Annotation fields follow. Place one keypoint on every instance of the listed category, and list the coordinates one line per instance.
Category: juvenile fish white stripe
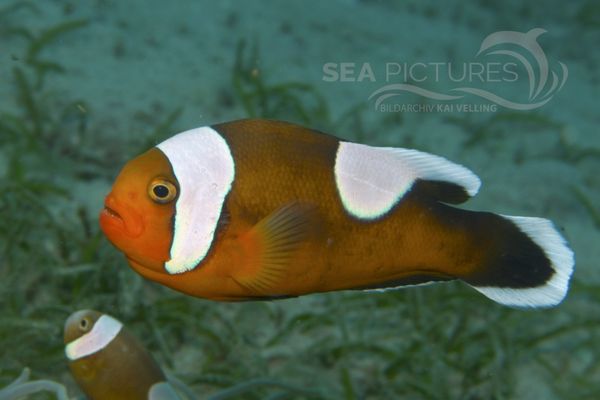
(371, 180)
(162, 391)
(204, 167)
(104, 331)
(562, 260)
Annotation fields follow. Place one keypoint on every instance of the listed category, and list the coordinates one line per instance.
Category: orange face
(139, 211)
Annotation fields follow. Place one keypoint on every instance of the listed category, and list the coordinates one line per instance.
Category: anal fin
(418, 279)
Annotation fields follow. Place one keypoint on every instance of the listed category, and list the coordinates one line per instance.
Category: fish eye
(84, 324)
(162, 191)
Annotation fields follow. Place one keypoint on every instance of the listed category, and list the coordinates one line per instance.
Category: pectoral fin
(270, 245)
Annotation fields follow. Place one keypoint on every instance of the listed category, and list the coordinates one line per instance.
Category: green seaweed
(16, 6)
(572, 152)
(349, 391)
(589, 14)
(244, 388)
(37, 43)
(483, 130)
(50, 35)
(589, 205)
(7, 29)
(44, 39)
(29, 103)
(293, 100)
(298, 102)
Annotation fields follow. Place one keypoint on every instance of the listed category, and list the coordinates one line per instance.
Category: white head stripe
(204, 167)
(162, 391)
(371, 180)
(104, 331)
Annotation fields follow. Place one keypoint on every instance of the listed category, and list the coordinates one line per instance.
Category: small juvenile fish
(265, 209)
(109, 363)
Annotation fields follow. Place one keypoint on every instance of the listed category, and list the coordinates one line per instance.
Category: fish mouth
(111, 213)
(110, 218)
(117, 218)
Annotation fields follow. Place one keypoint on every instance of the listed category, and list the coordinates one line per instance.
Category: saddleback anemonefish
(109, 363)
(260, 209)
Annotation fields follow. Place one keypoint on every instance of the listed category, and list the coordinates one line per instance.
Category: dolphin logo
(541, 90)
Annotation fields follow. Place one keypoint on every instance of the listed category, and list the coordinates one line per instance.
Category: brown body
(279, 164)
(123, 370)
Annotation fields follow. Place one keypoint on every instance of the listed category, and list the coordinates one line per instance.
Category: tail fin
(531, 266)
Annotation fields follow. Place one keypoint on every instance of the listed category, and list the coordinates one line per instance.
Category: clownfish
(109, 363)
(262, 209)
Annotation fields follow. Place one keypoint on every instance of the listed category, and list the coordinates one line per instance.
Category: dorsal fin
(371, 180)
(446, 192)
